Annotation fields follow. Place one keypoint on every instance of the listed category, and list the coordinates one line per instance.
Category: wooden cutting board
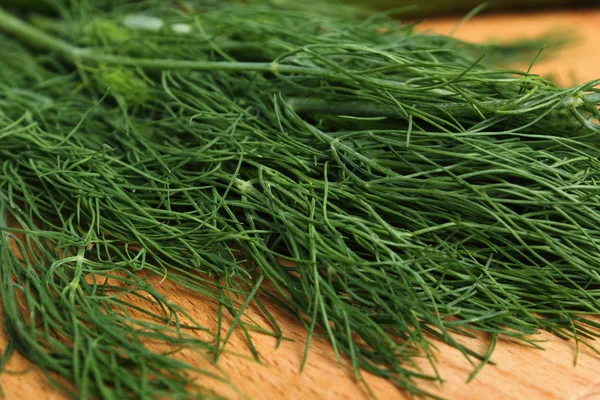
(520, 372)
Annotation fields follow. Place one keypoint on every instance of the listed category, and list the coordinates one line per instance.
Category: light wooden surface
(520, 373)
(576, 63)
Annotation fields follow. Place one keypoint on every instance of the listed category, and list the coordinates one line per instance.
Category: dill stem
(39, 39)
(35, 37)
(371, 109)
(43, 41)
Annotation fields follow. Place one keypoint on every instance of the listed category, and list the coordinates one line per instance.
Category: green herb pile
(386, 187)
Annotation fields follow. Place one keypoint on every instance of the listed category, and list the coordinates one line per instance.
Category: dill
(386, 187)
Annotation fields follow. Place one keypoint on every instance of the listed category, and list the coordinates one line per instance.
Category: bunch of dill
(386, 187)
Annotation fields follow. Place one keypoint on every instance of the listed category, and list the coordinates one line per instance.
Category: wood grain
(520, 372)
(575, 63)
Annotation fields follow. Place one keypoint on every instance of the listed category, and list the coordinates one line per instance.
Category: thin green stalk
(375, 110)
(41, 40)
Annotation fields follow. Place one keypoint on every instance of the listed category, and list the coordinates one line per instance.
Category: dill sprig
(386, 187)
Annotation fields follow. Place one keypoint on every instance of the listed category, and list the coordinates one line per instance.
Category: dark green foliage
(418, 192)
